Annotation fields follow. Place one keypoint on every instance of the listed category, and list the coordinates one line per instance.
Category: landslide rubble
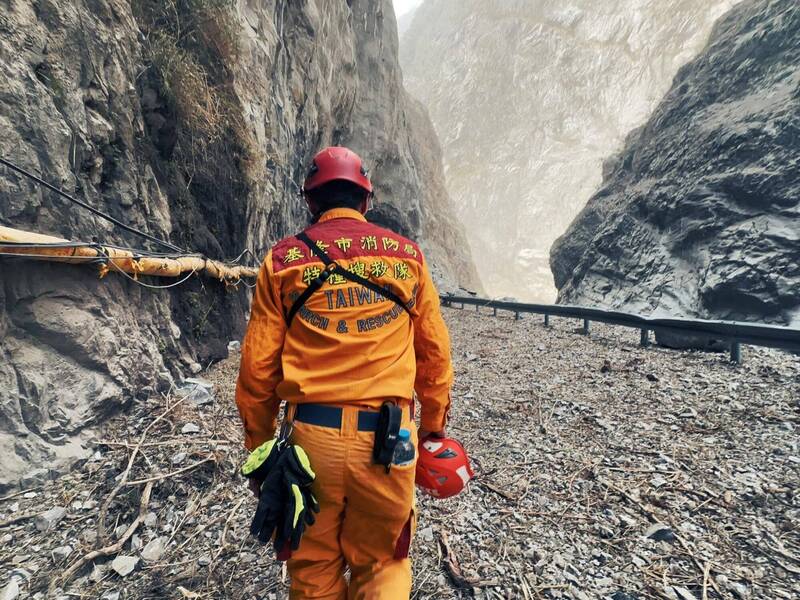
(699, 215)
(603, 470)
(194, 121)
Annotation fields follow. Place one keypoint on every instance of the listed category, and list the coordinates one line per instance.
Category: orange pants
(365, 522)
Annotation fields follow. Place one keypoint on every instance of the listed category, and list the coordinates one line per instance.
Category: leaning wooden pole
(45, 247)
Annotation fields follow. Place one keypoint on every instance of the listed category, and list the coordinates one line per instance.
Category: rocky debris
(234, 346)
(49, 519)
(87, 106)
(574, 470)
(190, 428)
(10, 591)
(197, 390)
(154, 549)
(150, 520)
(61, 552)
(98, 573)
(658, 531)
(528, 99)
(124, 565)
(699, 213)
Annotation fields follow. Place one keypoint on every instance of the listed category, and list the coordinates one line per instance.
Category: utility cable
(155, 287)
(97, 212)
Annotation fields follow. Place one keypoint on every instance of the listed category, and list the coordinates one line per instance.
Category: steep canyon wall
(699, 215)
(194, 121)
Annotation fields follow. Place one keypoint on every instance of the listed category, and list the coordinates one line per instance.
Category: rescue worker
(336, 357)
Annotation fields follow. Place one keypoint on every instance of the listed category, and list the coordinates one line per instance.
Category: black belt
(331, 416)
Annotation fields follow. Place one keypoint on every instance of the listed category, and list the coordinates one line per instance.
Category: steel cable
(93, 210)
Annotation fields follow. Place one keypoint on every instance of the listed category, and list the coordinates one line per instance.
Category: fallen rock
(680, 593)
(660, 533)
(49, 519)
(98, 572)
(234, 346)
(195, 368)
(124, 565)
(426, 534)
(61, 552)
(11, 591)
(197, 390)
(190, 428)
(154, 549)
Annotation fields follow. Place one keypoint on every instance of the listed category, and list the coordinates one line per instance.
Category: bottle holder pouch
(386, 434)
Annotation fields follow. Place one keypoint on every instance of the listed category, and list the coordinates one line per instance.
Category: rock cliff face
(528, 97)
(700, 213)
(193, 121)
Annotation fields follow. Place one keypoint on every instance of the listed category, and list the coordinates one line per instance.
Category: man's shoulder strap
(332, 267)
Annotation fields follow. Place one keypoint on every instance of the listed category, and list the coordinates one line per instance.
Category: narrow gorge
(529, 98)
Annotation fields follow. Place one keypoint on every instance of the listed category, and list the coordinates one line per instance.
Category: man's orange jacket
(348, 344)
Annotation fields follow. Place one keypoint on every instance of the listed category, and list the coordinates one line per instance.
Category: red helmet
(442, 467)
(335, 163)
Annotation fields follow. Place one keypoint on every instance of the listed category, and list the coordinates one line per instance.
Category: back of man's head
(337, 194)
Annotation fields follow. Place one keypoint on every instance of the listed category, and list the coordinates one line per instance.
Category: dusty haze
(528, 99)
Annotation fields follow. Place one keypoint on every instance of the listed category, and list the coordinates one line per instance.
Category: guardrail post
(546, 320)
(645, 339)
(736, 353)
(586, 327)
(477, 307)
(516, 316)
(495, 311)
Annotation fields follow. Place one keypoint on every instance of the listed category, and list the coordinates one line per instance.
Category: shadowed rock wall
(195, 127)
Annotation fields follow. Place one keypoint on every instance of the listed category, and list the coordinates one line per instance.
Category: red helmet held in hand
(442, 467)
(337, 163)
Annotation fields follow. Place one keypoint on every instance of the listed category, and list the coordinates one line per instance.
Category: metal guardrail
(733, 333)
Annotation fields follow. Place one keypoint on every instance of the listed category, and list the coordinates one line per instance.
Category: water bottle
(404, 451)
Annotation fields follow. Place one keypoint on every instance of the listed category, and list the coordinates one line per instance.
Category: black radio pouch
(386, 434)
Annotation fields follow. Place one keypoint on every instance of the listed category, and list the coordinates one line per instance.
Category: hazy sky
(401, 7)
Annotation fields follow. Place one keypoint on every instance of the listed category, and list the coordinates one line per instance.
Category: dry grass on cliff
(603, 471)
(192, 50)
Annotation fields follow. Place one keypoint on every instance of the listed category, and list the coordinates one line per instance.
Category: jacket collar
(341, 213)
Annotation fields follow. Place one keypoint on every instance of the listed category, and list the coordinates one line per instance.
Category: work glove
(300, 501)
(260, 463)
(271, 503)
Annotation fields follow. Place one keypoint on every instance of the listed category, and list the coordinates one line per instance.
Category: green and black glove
(271, 504)
(261, 461)
(300, 501)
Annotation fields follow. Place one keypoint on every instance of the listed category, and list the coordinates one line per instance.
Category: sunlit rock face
(699, 215)
(528, 97)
